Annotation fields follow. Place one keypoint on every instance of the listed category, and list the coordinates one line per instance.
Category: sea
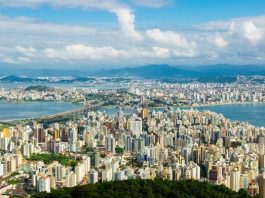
(22, 110)
(253, 113)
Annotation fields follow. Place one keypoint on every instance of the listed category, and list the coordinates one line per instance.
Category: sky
(115, 33)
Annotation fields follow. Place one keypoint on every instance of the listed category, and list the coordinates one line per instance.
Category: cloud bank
(27, 40)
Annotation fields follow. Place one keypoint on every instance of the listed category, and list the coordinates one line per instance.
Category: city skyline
(72, 34)
(132, 98)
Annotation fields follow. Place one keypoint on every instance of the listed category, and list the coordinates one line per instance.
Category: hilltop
(146, 188)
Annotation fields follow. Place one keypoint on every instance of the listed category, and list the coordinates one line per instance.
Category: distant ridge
(11, 79)
(149, 72)
(170, 72)
(167, 73)
(17, 79)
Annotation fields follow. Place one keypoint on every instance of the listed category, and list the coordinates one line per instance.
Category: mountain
(149, 72)
(38, 88)
(17, 79)
(230, 70)
(165, 73)
(202, 73)
(9, 79)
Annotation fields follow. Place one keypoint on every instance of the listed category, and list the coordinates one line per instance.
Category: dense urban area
(167, 143)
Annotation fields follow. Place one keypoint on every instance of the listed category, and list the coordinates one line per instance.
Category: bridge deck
(58, 115)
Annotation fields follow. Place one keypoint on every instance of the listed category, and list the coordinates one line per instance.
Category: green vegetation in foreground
(146, 188)
(48, 158)
(13, 181)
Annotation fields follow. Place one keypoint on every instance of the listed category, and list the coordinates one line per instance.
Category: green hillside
(146, 189)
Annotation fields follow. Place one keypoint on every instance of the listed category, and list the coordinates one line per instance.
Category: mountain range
(214, 73)
(171, 72)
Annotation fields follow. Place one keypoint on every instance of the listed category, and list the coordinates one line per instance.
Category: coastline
(131, 107)
(190, 106)
(221, 104)
(36, 101)
(34, 109)
(256, 123)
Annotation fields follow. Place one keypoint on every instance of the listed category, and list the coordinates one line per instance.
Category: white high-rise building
(107, 174)
(73, 140)
(1, 169)
(119, 175)
(43, 184)
(92, 177)
(235, 180)
(135, 125)
(70, 179)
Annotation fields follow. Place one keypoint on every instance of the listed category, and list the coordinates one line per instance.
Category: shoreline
(220, 104)
(113, 106)
(191, 106)
(40, 101)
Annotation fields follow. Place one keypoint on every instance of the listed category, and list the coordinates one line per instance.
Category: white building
(92, 177)
(43, 184)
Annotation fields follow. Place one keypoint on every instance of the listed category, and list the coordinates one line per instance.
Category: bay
(253, 113)
(22, 110)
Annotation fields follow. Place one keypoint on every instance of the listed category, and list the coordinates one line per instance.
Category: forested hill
(146, 189)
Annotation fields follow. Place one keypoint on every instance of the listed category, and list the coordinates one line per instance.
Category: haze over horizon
(66, 34)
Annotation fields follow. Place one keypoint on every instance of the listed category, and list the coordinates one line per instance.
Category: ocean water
(22, 110)
(252, 113)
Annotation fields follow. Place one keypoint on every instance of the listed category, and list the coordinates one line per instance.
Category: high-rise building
(128, 143)
(43, 184)
(65, 134)
(73, 140)
(110, 143)
(95, 159)
(144, 112)
(39, 134)
(135, 125)
(235, 180)
(56, 134)
(92, 177)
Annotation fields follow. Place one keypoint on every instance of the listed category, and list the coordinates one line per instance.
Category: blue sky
(110, 33)
(179, 12)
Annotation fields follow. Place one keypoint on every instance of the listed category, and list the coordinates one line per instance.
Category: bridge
(66, 114)
(58, 117)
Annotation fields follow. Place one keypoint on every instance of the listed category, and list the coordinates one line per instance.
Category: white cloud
(160, 52)
(251, 29)
(84, 52)
(27, 51)
(26, 40)
(167, 38)
(23, 59)
(8, 60)
(23, 24)
(219, 41)
(151, 3)
(126, 21)
(248, 30)
(184, 54)
(124, 14)
(80, 51)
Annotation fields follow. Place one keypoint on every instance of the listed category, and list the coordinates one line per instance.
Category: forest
(146, 189)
